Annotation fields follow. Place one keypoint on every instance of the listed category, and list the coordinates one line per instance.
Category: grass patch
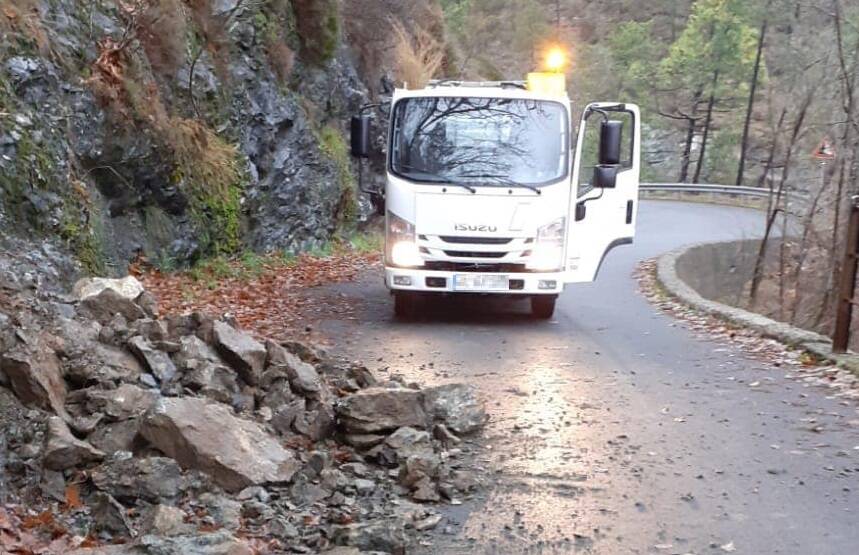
(367, 242)
(333, 146)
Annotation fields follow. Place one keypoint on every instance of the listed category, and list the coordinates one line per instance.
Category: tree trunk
(690, 138)
(744, 142)
(708, 120)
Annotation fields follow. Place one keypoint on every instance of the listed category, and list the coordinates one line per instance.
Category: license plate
(479, 282)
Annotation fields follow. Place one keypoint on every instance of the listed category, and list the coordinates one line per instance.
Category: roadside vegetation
(761, 93)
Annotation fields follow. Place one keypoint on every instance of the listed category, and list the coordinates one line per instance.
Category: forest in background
(209, 128)
(760, 93)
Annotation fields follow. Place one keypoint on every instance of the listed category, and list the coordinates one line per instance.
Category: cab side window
(591, 147)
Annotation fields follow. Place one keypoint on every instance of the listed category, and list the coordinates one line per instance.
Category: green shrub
(333, 145)
(317, 23)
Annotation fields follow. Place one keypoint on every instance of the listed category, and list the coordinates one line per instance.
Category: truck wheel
(405, 305)
(543, 306)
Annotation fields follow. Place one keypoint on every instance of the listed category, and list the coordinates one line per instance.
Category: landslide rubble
(122, 431)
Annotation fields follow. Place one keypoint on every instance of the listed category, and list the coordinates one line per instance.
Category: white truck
(489, 191)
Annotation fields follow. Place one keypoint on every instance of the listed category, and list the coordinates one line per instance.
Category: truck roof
(486, 89)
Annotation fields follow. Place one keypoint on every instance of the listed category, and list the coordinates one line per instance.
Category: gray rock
(124, 402)
(418, 467)
(286, 415)
(109, 515)
(282, 528)
(103, 306)
(387, 535)
(63, 450)
(225, 512)
(158, 362)
(152, 330)
(407, 442)
(116, 436)
(35, 376)
(235, 452)
(101, 364)
(456, 406)
(379, 409)
(317, 422)
(240, 350)
(128, 287)
(303, 377)
(215, 543)
(363, 441)
(304, 493)
(149, 479)
(212, 380)
(304, 351)
(192, 350)
(165, 520)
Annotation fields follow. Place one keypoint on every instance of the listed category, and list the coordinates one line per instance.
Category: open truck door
(604, 199)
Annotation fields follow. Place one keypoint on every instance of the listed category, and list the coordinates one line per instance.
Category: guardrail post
(847, 285)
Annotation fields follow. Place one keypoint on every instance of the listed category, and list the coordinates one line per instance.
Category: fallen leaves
(801, 366)
(24, 533)
(269, 296)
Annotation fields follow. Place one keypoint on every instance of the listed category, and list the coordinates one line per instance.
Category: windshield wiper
(502, 179)
(441, 179)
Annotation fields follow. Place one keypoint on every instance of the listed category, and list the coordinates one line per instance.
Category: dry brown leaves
(271, 300)
(799, 365)
(27, 533)
(712, 328)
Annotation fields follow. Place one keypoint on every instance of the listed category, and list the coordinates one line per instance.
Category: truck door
(602, 218)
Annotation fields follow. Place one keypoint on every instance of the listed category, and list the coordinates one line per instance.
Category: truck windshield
(479, 141)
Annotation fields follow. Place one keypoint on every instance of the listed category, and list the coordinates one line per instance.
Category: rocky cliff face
(175, 129)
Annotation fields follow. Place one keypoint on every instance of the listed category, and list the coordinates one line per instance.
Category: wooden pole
(846, 289)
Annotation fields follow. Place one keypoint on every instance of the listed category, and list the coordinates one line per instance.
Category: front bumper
(434, 281)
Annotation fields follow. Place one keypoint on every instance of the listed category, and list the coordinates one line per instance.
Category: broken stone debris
(184, 425)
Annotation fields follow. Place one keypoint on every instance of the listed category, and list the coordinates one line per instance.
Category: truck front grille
(445, 266)
(475, 254)
(475, 240)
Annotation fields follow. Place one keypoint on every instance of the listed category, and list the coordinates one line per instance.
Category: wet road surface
(616, 430)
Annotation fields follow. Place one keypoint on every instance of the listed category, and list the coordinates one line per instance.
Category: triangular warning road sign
(824, 151)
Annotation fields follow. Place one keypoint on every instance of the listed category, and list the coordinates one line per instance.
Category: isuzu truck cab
(490, 190)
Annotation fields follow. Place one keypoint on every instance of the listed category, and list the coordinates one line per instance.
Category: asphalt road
(616, 430)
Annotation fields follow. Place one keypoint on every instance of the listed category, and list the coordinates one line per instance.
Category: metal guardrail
(706, 188)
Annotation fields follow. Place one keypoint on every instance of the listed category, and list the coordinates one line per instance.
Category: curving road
(615, 430)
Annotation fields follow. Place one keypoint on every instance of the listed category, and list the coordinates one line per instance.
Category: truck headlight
(401, 249)
(547, 254)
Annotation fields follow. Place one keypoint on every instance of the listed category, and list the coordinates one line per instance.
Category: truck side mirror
(611, 133)
(360, 135)
(605, 176)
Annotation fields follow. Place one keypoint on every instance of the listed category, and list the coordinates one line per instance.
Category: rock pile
(184, 434)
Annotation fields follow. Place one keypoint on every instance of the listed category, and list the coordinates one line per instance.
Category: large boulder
(240, 350)
(108, 303)
(236, 453)
(128, 287)
(379, 409)
(63, 450)
(456, 406)
(35, 376)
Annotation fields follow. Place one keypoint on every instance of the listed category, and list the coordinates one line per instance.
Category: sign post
(847, 285)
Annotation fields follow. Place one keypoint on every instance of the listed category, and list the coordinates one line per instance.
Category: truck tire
(405, 305)
(543, 306)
